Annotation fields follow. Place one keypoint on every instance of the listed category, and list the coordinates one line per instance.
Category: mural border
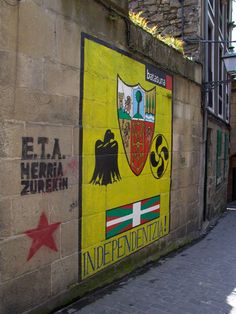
(81, 87)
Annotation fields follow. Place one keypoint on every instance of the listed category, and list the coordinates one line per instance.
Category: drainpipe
(205, 105)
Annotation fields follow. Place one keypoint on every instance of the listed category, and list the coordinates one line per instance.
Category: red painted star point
(42, 235)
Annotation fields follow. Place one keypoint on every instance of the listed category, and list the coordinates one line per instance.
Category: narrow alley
(199, 279)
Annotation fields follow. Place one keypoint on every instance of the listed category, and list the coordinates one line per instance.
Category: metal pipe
(192, 40)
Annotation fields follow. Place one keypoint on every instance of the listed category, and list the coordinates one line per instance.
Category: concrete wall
(40, 57)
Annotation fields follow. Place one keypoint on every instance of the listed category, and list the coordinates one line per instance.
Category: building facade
(205, 28)
(102, 149)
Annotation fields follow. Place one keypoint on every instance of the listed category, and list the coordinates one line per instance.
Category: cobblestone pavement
(200, 279)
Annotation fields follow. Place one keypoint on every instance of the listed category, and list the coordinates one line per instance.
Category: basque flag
(121, 219)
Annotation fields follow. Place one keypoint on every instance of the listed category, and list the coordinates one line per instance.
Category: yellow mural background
(101, 67)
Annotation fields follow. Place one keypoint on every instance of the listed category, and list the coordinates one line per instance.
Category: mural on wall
(42, 236)
(42, 173)
(136, 113)
(126, 114)
(106, 160)
(159, 156)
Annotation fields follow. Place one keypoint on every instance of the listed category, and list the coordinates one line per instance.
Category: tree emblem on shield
(136, 115)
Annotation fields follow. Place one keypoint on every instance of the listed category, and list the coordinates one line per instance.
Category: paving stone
(200, 279)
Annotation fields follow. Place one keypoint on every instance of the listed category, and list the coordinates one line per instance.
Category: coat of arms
(136, 114)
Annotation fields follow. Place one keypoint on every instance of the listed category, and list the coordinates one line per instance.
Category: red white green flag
(123, 218)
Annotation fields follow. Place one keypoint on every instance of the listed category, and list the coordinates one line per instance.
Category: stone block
(195, 159)
(176, 199)
(10, 139)
(188, 112)
(36, 30)
(38, 2)
(63, 205)
(192, 210)
(184, 159)
(179, 233)
(193, 225)
(64, 7)
(30, 72)
(186, 177)
(181, 89)
(8, 26)
(25, 292)
(69, 238)
(195, 95)
(157, 17)
(26, 211)
(61, 80)
(177, 218)
(188, 142)
(5, 218)
(178, 110)
(179, 125)
(175, 160)
(36, 106)
(10, 177)
(198, 74)
(63, 133)
(174, 3)
(7, 68)
(123, 5)
(6, 101)
(64, 273)
(15, 252)
(109, 27)
(175, 179)
(195, 175)
(76, 136)
(176, 142)
(71, 170)
(197, 115)
(191, 2)
(68, 42)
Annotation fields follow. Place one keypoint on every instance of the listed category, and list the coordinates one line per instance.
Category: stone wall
(41, 87)
(168, 17)
(216, 184)
(39, 95)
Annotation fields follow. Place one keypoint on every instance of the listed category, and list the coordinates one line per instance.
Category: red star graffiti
(42, 235)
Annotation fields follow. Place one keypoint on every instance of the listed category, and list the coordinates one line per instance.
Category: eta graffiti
(43, 173)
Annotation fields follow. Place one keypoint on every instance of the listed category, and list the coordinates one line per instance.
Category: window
(219, 157)
(221, 19)
(221, 86)
(211, 76)
(228, 17)
(211, 4)
(226, 152)
(222, 154)
(227, 104)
